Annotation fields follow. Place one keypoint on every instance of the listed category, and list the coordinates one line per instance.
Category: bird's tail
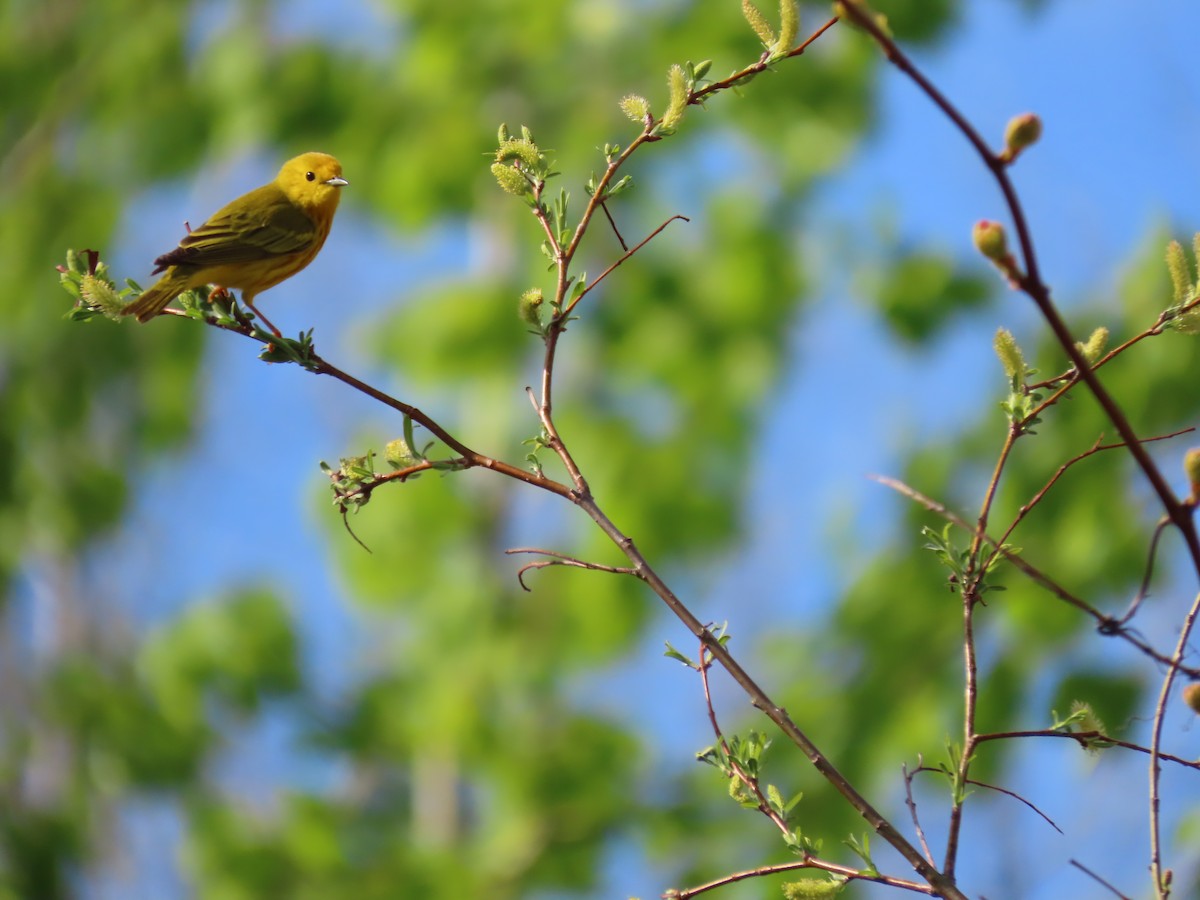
(157, 296)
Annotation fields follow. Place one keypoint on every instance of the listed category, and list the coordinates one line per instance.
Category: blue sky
(1119, 91)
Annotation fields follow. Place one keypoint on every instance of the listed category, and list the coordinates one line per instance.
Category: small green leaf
(672, 653)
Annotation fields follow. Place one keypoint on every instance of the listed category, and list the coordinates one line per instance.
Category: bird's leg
(250, 303)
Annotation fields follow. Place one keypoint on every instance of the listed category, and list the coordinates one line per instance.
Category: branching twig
(624, 256)
(1106, 625)
(763, 871)
(912, 805)
(1097, 447)
(1071, 376)
(1144, 587)
(561, 559)
(745, 778)
(1030, 281)
(1084, 739)
(1015, 796)
(762, 65)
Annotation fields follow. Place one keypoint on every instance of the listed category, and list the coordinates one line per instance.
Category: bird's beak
(337, 181)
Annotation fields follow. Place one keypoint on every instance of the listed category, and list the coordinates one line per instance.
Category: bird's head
(312, 180)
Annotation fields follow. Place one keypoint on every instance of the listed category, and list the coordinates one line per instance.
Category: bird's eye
(310, 176)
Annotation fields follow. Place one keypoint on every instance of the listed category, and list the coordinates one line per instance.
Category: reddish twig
(628, 253)
(1084, 739)
(561, 559)
(763, 871)
(1095, 448)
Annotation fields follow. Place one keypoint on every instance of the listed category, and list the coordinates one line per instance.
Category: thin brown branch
(562, 559)
(970, 695)
(1085, 739)
(1015, 796)
(473, 458)
(468, 458)
(1086, 871)
(976, 571)
(628, 253)
(945, 772)
(1095, 448)
(612, 224)
(820, 865)
(1160, 874)
(762, 65)
(743, 776)
(1071, 376)
(1144, 587)
(912, 805)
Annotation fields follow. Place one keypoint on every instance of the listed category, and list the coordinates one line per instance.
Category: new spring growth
(1181, 272)
(813, 889)
(992, 242)
(677, 83)
(1093, 348)
(519, 163)
(399, 454)
(1191, 696)
(1022, 131)
(636, 108)
(1191, 468)
(1010, 355)
(98, 293)
(531, 308)
(777, 46)
(1183, 287)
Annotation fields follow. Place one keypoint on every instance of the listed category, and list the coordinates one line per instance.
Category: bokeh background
(210, 689)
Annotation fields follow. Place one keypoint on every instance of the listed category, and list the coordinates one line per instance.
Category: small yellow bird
(255, 242)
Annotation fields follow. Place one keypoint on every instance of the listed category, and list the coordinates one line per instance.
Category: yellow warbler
(256, 241)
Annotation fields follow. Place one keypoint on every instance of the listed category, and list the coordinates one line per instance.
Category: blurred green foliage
(470, 766)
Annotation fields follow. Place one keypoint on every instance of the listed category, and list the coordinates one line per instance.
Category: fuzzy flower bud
(1009, 354)
(1095, 345)
(531, 307)
(399, 455)
(1181, 272)
(789, 28)
(99, 294)
(635, 107)
(511, 179)
(522, 149)
(758, 22)
(677, 83)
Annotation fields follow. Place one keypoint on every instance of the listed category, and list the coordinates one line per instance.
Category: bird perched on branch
(255, 242)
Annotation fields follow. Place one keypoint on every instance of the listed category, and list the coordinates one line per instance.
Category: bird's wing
(249, 229)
